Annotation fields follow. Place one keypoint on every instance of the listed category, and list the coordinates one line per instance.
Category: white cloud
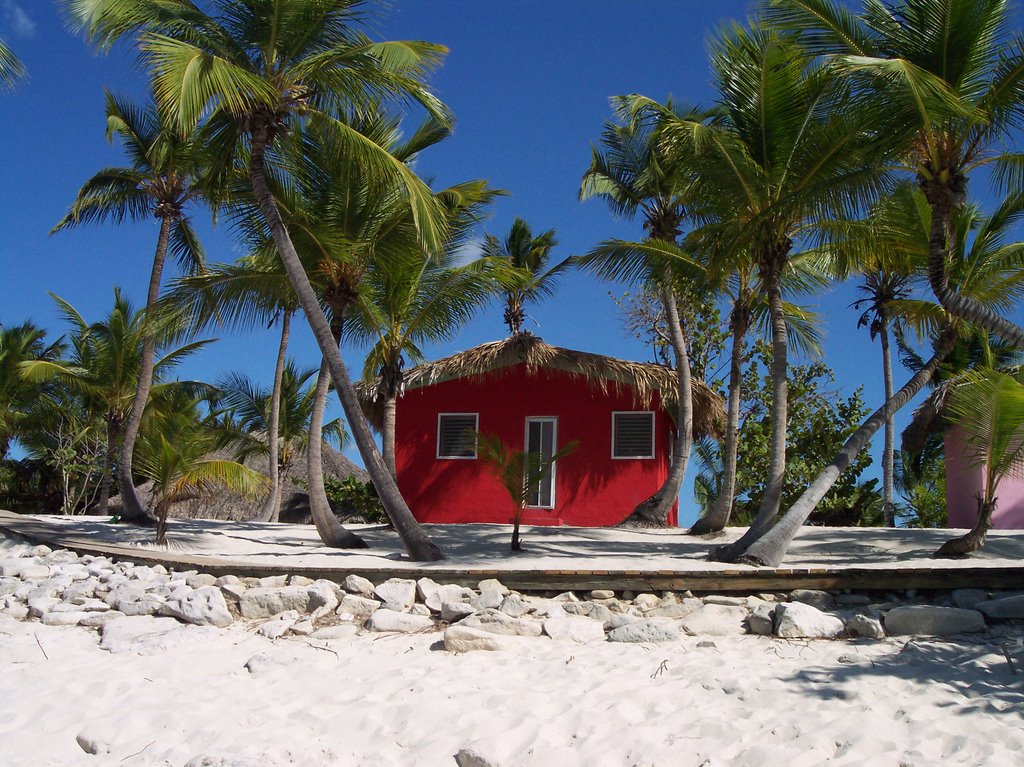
(17, 19)
(470, 250)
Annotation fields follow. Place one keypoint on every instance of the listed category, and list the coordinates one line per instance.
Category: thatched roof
(601, 372)
(929, 418)
(223, 504)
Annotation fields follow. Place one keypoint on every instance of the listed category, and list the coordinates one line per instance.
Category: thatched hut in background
(223, 504)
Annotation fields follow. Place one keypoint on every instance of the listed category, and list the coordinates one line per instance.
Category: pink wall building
(964, 481)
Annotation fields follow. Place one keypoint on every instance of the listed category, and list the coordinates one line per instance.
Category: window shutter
(633, 435)
(455, 436)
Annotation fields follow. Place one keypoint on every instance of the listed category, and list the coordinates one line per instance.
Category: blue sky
(529, 84)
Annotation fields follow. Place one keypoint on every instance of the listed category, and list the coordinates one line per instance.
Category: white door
(542, 438)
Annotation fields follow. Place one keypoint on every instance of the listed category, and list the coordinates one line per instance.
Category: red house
(538, 397)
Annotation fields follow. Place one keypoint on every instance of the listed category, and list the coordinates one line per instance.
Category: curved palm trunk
(271, 510)
(716, 520)
(975, 539)
(889, 448)
(653, 512)
(770, 549)
(940, 199)
(331, 531)
(388, 434)
(162, 509)
(416, 542)
(132, 509)
(769, 509)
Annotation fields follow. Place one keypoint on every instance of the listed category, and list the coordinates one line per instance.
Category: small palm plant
(989, 407)
(175, 452)
(519, 472)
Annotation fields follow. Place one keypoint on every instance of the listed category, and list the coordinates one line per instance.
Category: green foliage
(921, 482)
(350, 497)
(820, 421)
(30, 486)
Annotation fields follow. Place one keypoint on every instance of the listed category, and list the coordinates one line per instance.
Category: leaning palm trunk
(653, 512)
(132, 509)
(271, 511)
(975, 539)
(769, 509)
(716, 520)
(941, 200)
(416, 542)
(331, 531)
(889, 449)
(768, 550)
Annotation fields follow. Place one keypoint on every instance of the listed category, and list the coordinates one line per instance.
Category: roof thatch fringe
(601, 372)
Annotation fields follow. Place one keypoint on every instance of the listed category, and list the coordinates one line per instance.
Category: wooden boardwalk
(572, 573)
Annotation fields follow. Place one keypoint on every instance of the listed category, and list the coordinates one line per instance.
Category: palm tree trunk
(271, 503)
(939, 197)
(109, 460)
(653, 512)
(975, 539)
(416, 542)
(770, 548)
(889, 448)
(769, 509)
(716, 520)
(388, 434)
(162, 508)
(131, 508)
(331, 531)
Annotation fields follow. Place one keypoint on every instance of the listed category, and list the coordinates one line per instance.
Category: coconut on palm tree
(164, 179)
(520, 250)
(947, 81)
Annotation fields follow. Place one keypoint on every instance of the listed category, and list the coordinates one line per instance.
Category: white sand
(471, 547)
(398, 700)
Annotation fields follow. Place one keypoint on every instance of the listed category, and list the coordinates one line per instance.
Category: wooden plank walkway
(719, 579)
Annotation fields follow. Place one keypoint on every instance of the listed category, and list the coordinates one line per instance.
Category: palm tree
(776, 160)
(632, 174)
(522, 251)
(163, 180)
(881, 288)
(103, 368)
(989, 406)
(174, 454)
(20, 344)
(265, 68)
(519, 472)
(414, 298)
(249, 410)
(947, 80)
(11, 68)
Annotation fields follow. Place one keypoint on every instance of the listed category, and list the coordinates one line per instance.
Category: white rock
(228, 580)
(566, 596)
(357, 584)
(813, 597)
(41, 550)
(418, 609)
(929, 620)
(492, 584)
(489, 599)
(426, 588)
(261, 663)
(449, 592)
(515, 606)
(761, 619)
(1004, 608)
(969, 598)
(358, 607)
(201, 579)
(279, 626)
(499, 623)
(620, 619)
(602, 594)
(646, 601)
(452, 612)
(299, 580)
(391, 620)
(459, 638)
(94, 620)
(647, 630)
(233, 591)
(801, 620)
(574, 629)
(203, 607)
(723, 599)
(304, 627)
(866, 626)
(715, 620)
(273, 581)
(262, 602)
(17, 611)
(146, 635)
(148, 604)
(40, 606)
(63, 618)
(323, 599)
(469, 757)
(97, 738)
(397, 594)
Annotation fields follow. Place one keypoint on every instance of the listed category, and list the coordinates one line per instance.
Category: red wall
(591, 489)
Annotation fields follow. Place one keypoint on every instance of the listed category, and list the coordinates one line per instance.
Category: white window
(542, 438)
(633, 435)
(456, 435)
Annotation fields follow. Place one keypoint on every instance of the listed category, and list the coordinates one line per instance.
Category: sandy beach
(400, 700)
